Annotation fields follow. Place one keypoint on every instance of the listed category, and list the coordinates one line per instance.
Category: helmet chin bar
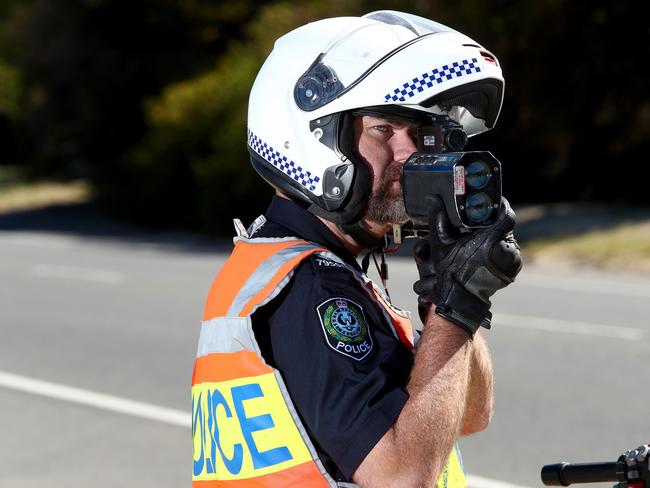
(346, 186)
(352, 210)
(339, 135)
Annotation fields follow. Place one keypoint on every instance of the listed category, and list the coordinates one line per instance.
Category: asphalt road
(120, 317)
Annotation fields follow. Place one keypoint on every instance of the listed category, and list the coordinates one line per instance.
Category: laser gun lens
(477, 175)
(456, 139)
(478, 206)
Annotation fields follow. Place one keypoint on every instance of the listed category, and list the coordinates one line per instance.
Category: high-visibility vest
(245, 429)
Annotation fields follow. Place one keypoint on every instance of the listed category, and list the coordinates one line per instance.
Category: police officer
(306, 375)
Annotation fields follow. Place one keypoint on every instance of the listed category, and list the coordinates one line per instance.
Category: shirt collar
(301, 223)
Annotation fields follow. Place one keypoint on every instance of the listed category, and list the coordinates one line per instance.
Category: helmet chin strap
(362, 236)
(373, 245)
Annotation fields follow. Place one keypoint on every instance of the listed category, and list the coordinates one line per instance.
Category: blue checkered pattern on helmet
(433, 77)
(281, 162)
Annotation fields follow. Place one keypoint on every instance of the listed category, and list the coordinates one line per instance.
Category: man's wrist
(465, 323)
(465, 309)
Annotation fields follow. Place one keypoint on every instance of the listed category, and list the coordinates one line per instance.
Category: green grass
(625, 247)
(18, 194)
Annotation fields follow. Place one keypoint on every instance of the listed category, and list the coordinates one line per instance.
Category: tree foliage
(196, 145)
(87, 66)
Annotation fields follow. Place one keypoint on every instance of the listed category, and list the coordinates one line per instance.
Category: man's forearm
(479, 404)
(413, 451)
(438, 390)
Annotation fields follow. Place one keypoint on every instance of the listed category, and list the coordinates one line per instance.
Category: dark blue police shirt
(346, 404)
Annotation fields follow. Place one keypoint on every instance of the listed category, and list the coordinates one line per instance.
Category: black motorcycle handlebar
(632, 470)
(564, 474)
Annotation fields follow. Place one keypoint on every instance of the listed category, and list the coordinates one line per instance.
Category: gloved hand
(460, 272)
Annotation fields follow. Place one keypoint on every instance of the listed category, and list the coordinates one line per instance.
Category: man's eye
(381, 128)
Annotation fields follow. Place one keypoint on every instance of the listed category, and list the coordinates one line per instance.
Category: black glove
(460, 272)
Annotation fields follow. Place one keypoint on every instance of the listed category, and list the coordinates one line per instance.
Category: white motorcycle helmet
(301, 107)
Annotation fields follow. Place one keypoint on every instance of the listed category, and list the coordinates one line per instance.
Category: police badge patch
(345, 327)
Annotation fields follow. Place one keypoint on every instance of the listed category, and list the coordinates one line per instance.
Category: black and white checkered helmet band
(288, 167)
(433, 77)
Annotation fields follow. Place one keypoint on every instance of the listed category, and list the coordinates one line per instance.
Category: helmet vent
(491, 58)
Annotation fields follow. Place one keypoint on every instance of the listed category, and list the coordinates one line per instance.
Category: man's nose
(404, 147)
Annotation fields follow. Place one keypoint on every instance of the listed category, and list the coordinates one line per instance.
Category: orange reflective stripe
(273, 283)
(237, 269)
(226, 366)
(402, 324)
(304, 475)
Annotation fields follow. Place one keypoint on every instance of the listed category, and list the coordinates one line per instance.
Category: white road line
(568, 326)
(94, 399)
(480, 482)
(77, 273)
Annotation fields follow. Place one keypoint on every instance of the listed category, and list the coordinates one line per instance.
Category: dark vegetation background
(147, 98)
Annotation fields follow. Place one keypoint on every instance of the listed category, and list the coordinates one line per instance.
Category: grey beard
(386, 209)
